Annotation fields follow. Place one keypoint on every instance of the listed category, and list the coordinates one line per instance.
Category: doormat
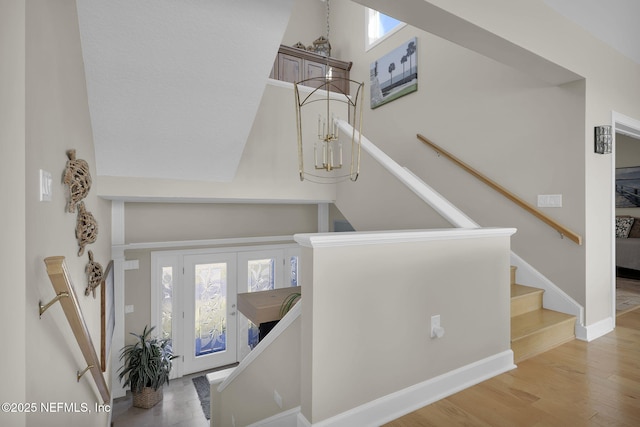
(202, 388)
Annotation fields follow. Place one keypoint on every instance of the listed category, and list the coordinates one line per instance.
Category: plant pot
(147, 398)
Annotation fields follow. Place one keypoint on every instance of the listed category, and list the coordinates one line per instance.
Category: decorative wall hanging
(395, 74)
(77, 178)
(86, 228)
(94, 275)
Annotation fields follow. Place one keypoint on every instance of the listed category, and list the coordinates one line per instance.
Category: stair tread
(531, 322)
(522, 290)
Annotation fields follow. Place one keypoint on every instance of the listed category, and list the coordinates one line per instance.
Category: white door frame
(630, 127)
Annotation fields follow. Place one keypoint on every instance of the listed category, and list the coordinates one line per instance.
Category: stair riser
(543, 340)
(525, 303)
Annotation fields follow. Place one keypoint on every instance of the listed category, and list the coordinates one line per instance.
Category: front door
(194, 297)
(210, 323)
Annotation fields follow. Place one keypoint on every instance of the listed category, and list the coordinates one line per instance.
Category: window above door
(378, 27)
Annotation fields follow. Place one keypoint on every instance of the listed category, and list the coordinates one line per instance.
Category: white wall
(612, 84)
(13, 308)
(520, 131)
(268, 169)
(366, 313)
(57, 119)
(249, 398)
(163, 222)
(307, 23)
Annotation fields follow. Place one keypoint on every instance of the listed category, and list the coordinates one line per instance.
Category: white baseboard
(596, 330)
(402, 402)
(283, 419)
(302, 421)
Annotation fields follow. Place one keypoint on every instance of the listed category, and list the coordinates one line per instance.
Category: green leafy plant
(147, 362)
(289, 302)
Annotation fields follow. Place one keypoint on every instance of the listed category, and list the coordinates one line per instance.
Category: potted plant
(289, 302)
(147, 364)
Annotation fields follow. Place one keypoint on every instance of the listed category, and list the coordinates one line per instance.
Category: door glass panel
(167, 301)
(293, 271)
(261, 277)
(261, 274)
(210, 308)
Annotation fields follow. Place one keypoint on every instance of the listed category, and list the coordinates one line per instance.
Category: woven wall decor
(94, 275)
(86, 228)
(77, 178)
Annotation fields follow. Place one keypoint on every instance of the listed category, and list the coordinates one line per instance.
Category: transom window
(379, 26)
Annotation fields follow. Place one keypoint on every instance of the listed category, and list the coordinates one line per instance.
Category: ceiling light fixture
(324, 100)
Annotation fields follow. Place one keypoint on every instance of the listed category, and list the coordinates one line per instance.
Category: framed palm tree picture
(395, 74)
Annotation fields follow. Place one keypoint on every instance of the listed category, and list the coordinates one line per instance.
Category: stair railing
(564, 231)
(555, 298)
(61, 282)
(431, 197)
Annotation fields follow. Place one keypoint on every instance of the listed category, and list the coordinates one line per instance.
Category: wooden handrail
(61, 282)
(564, 231)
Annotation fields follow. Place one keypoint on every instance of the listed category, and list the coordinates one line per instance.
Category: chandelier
(332, 105)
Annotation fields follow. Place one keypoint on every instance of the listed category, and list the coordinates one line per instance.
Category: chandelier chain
(328, 28)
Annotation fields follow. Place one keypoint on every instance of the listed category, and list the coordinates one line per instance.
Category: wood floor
(576, 384)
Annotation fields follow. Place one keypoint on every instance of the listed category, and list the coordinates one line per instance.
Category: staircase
(534, 329)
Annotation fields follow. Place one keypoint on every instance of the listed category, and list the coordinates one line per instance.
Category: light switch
(549, 200)
(128, 309)
(46, 187)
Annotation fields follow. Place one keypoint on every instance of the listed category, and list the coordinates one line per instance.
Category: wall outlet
(128, 309)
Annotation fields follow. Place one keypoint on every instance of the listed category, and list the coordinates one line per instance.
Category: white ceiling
(174, 86)
(615, 22)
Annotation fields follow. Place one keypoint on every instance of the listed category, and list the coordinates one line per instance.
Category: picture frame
(395, 74)
(628, 187)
